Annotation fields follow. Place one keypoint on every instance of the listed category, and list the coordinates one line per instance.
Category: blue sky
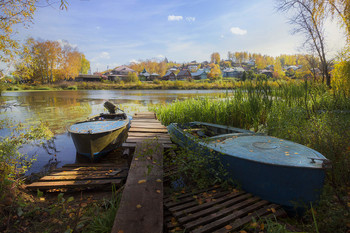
(116, 32)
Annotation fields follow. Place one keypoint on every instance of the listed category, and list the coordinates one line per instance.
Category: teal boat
(274, 169)
(100, 134)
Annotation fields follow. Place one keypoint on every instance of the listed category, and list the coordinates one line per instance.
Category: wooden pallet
(216, 210)
(82, 176)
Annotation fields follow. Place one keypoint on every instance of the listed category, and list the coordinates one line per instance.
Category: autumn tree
(308, 21)
(215, 58)
(85, 65)
(215, 72)
(14, 13)
(49, 61)
(132, 77)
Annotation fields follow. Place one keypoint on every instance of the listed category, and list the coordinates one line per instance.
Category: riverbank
(155, 85)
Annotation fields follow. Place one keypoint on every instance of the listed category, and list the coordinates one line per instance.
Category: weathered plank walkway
(81, 176)
(141, 206)
(145, 126)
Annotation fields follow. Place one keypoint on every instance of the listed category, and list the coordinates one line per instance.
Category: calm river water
(59, 109)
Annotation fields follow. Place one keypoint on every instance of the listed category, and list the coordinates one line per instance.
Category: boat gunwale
(126, 122)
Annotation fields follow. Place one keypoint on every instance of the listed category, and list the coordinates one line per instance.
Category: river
(59, 109)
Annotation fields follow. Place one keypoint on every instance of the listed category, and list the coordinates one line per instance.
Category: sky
(116, 32)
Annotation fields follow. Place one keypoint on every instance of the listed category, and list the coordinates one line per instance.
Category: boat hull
(290, 186)
(95, 146)
(100, 134)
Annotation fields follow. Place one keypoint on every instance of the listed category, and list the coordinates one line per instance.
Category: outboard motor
(110, 107)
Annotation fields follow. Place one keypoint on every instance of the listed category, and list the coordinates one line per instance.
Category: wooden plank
(73, 184)
(178, 210)
(237, 199)
(90, 165)
(238, 223)
(134, 134)
(148, 130)
(112, 175)
(188, 194)
(83, 169)
(217, 200)
(71, 173)
(211, 217)
(141, 206)
(147, 124)
(139, 139)
(229, 218)
(133, 145)
(140, 120)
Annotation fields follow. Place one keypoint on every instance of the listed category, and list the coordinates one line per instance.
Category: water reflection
(59, 109)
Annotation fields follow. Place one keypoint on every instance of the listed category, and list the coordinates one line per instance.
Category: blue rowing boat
(274, 169)
(100, 134)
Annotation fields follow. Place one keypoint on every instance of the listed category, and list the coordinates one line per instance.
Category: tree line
(49, 61)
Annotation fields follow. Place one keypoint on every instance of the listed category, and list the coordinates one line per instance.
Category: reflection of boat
(100, 134)
(276, 170)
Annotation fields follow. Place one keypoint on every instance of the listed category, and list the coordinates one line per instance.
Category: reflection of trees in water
(50, 147)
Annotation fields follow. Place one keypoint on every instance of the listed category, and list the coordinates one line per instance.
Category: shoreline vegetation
(152, 85)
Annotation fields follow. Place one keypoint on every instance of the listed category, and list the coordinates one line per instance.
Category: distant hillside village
(191, 71)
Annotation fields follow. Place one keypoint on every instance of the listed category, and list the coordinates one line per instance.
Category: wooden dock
(141, 206)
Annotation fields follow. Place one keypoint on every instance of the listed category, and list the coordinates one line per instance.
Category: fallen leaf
(243, 231)
(110, 170)
(138, 206)
(251, 151)
(159, 180)
(83, 204)
(173, 221)
(254, 224)
(42, 198)
(148, 157)
(214, 191)
(262, 226)
(178, 229)
(136, 159)
(158, 191)
(296, 153)
(120, 231)
(71, 215)
(273, 210)
(228, 227)
(141, 181)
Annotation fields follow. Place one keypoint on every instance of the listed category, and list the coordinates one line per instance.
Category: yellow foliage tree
(215, 72)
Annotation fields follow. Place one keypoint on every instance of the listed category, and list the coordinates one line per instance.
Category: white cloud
(238, 31)
(65, 42)
(105, 55)
(190, 19)
(160, 56)
(175, 18)
(134, 61)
